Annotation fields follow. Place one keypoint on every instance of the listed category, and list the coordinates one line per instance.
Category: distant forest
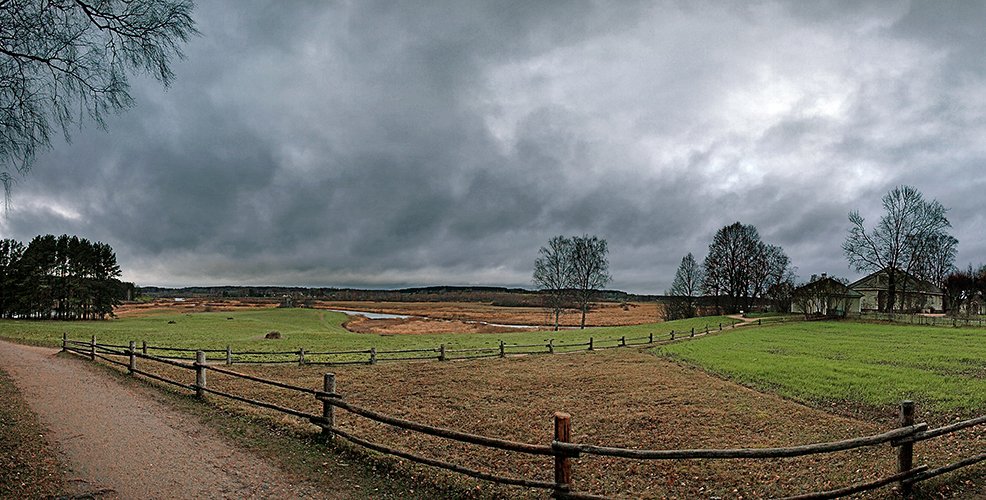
(63, 277)
(498, 296)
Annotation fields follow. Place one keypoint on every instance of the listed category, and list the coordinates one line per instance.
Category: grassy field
(312, 329)
(875, 365)
(616, 397)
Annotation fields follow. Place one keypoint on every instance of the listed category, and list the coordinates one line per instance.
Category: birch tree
(553, 274)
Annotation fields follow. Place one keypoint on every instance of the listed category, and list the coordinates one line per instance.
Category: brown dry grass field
(602, 314)
(428, 317)
(616, 398)
(158, 306)
(424, 326)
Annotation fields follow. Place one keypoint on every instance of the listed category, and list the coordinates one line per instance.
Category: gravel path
(117, 441)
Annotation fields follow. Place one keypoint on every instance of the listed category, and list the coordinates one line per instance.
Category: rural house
(913, 294)
(825, 296)
(973, 305)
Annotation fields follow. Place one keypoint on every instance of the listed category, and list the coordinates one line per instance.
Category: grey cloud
(383, 144)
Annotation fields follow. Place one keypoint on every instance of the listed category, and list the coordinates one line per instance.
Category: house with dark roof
(912, 294)
(825, 296)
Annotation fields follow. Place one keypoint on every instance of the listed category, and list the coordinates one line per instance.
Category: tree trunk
(557, 312)
(891, 291)
(585, 307)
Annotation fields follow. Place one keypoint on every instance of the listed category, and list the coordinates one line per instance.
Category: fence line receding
(561, 449)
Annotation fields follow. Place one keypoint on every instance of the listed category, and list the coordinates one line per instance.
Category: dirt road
(117, 441)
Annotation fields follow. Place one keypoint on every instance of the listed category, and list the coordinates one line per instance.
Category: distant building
(912, 294)
(825, 297)
(973, 305)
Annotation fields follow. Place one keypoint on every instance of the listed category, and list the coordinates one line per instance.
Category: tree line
(63, 277)
(962, 286)
(739, 271)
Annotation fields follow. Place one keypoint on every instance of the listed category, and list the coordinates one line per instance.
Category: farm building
(912, 293)
(973, 305)
(825, 296)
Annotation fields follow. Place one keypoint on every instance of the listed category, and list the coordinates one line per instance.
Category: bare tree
(684, 291)
(589, 270)
(741, 267)
(934, 258)
(553, 274)
(769, 267)
(809, 299)
(728, 265)
(62, 62)
(899, 239)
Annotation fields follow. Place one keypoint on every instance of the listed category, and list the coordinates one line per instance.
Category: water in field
(372, 315)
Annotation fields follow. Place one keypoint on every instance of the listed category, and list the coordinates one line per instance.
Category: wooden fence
(561, 449)
(921, 319)
(442, 352)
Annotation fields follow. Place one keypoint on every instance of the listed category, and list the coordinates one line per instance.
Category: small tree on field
(685, 289)
(553, 274)
(589, 270)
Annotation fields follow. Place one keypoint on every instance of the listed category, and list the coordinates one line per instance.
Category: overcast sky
(370, 144)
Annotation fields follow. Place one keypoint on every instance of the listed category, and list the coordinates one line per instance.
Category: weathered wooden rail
(922, 319)
(442, 352)
(561, 449)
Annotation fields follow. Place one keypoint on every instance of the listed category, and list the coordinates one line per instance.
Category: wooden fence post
(301, 356)
(199, 373)
(623, 341)
(328, 411)
(551, 346)
(64, 341)
(441, 352)
(905, 452)
(693, 331)
(590, 343)
(650, 338)
(229, 354)
(720, 327)
(143, 347)
(92, 348)
(373, 356)
(133, 357)
(759, 323)
(672, 334)
(503, 352)
(563, 464)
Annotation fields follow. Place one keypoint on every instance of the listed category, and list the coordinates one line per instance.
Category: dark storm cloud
(375, 144)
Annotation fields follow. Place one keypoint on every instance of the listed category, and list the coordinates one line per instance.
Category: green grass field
(873, 364)
(311, 329)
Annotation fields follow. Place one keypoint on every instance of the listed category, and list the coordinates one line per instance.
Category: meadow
(678, 395)
(841, 362)
(311, 329)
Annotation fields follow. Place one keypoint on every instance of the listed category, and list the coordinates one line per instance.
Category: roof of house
(828, 286)
(905, 281)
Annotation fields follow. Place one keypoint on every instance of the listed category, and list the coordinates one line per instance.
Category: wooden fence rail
(561, 449)
(921, 319)
(372, 355)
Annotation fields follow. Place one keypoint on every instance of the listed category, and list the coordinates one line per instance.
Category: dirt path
(117, 441)
(743, 320)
